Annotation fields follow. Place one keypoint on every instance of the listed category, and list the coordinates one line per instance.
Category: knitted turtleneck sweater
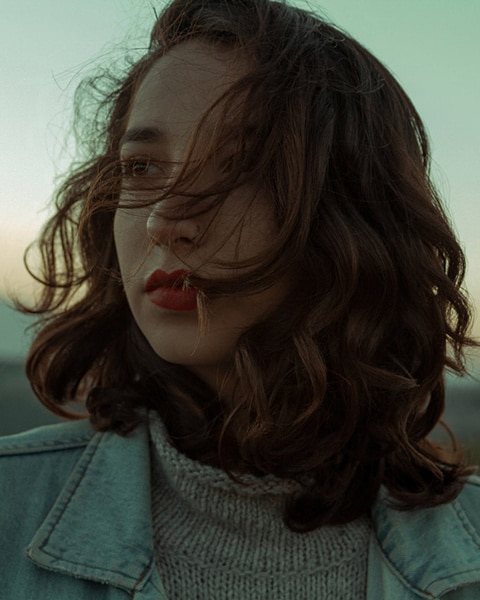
(216, 539)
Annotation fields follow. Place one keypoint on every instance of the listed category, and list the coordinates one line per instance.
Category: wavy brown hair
(341, 385)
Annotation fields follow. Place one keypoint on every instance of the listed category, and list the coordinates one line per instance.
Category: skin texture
(175, 93)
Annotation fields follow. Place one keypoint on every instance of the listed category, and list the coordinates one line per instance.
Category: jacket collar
(100, 527)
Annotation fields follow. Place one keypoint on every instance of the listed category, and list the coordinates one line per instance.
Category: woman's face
(169, 103)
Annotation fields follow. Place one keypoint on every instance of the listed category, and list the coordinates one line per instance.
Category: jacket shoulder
(71, 434)
(468, 502)
(35, 466)
(417, 545)
(37, 463)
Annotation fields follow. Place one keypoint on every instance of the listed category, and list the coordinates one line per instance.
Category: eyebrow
(141, 134)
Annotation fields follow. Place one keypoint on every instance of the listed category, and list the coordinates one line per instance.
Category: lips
(166, 290)
(160, 278)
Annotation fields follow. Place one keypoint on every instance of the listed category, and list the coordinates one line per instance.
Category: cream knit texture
(216, 539)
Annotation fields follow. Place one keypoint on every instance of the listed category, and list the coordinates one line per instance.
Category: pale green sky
(432, 46)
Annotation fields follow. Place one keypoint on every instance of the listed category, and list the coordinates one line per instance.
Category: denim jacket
(75, 523)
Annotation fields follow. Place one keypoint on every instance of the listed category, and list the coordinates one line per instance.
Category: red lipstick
(167, 291)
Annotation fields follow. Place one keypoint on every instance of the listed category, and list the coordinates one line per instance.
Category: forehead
(181, 86)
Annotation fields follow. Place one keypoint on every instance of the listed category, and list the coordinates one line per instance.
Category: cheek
(120, 236)
(131, 241)
(252, 227)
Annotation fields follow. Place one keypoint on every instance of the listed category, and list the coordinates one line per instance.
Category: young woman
(251, 286)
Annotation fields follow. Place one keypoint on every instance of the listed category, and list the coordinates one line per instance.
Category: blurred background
(431, 46)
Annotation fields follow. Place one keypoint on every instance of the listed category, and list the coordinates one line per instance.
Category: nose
(169, 231)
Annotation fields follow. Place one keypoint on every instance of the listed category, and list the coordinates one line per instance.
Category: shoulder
(465, 506)
(417, 546)
(34, 468)
(469, 502)
(48, 438)
(36, 463)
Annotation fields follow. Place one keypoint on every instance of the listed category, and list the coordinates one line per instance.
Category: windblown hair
(341, 385)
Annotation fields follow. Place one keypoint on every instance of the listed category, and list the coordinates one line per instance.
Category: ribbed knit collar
(207, 522)
(185, 473)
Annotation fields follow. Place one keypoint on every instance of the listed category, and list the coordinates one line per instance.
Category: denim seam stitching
(401, 576)
(45, 445)
(467, 525)
(52, 528)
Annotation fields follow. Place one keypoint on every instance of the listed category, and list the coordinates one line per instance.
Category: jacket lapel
(100, 527)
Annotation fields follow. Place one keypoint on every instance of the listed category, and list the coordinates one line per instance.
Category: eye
(140, 167)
